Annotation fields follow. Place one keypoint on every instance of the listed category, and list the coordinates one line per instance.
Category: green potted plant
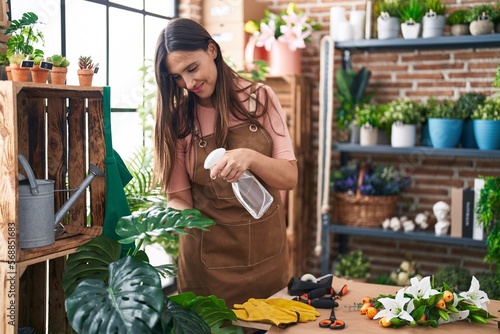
(368, 119)
(403, 116)
(434, 19)
(411, 13)
(38, 74)
(445, 123)
(104, 289)
(19, 73)
(388, 22)
(351, 93)
(488, 213)
(5, 66)
(86, 70)
(59, 69)
(353, 265)
(24, 35)
(481, 19)
(459, 21)
(486, 123)
(466, 105)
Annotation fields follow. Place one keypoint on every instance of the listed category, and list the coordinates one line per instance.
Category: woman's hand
(277, 173)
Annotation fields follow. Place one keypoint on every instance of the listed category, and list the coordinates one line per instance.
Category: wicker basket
(363, 211)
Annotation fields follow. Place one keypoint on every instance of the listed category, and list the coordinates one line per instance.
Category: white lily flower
(266, 36)
(476, 296)
(421, 289)
(394, 308)
(454, 317)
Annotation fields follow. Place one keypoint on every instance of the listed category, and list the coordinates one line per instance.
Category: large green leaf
(131, 303)
(158, 221)
(181, 320)
(212, 309)
(90, 261)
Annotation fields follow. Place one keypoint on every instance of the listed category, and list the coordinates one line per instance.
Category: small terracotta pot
(58, 75)
(85, 77)
(38, 74)
(20, 74)
(8, 70)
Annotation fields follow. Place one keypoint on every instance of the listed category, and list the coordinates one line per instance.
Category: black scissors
(332, 322)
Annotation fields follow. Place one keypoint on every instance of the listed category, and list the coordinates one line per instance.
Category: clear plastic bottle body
(252, 195)
(247, 190)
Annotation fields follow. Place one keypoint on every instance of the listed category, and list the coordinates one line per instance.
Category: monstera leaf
(90, 261)
(180, 320)
(131, 303)
(160, 222)
(213, 311)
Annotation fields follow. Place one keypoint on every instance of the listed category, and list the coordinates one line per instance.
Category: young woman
(203, 105)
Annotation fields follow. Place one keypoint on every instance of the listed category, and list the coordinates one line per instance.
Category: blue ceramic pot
(467, 140)
(445, 132)
(487, 134)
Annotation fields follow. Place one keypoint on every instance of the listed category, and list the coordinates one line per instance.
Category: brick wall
(417, 75)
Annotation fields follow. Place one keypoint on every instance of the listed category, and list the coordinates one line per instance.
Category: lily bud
(371, 312)
(384, 323)
(364, 308)
(441, 304)
(448, 296)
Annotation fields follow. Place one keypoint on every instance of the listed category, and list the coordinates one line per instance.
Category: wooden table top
(357, 323)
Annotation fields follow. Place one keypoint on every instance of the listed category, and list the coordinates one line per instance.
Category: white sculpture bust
(441, 210)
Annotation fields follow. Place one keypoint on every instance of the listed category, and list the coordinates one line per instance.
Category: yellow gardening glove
(306, 312)
(259, 310)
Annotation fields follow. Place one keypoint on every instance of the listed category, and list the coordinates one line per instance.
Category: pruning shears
(332, 322)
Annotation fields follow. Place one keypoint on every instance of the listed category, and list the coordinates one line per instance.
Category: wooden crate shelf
(60, 130)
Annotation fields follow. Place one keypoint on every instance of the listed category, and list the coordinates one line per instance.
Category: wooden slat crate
(60, 130)
(294, 94)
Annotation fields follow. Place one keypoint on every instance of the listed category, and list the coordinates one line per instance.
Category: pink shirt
(274, 123)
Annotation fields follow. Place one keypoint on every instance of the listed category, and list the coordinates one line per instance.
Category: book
(467, 212)
(477, 228)
(456, 212)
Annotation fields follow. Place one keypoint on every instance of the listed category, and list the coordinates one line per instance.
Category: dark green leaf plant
(109, 294)
(459, 16)
(412, 11)
(24, 36)
(351, 93)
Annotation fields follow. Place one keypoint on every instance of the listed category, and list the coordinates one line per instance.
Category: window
(118, 34)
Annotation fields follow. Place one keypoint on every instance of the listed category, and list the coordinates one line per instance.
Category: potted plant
(411, 13)
(445, 123)
(466, 105)
(59, 69)
(366, 195)
(481, 19)
(368, 119)
(39, 74)
(488, 213)
(353, 265)
(403, 115)
(459, 21)
(351, 93)
(4, 67)
(104, 289)
(388, 22)
(283, 35)
(434, 20)
(486, 123)
(19, 73)
(87, 70)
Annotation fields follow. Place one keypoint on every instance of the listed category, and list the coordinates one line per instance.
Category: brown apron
(239, 257)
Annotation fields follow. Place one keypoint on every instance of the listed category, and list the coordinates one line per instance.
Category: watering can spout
(94, 171)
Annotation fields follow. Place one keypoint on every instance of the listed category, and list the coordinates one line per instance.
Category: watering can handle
(31, 175)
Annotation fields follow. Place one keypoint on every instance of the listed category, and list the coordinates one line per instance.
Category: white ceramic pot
(387, 27)
(433, 25)
(403, 135)
(481, 27)
(410, 31)
(368, 135)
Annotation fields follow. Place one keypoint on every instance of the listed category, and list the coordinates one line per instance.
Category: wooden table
(357, 323)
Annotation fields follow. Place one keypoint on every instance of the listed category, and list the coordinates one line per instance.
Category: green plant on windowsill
(24, 35)
(488, 213)
(353, 265)
(368, 114)
(59, 60)
(412, 11)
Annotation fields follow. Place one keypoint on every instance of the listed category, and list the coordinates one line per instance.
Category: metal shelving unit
(436, 43)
